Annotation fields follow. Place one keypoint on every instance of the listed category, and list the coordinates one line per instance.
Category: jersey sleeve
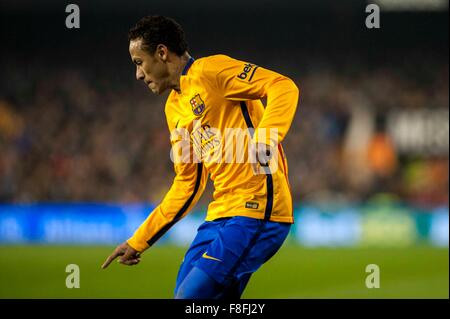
(187, 187)
(240, 81)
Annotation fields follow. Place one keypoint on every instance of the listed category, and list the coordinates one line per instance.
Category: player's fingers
(130, 262)
(264, 154)
(129, 254)
(111, 258)
(107, 261)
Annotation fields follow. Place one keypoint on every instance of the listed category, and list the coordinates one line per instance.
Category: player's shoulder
(215, 58)
(171, 103)
(214, 62)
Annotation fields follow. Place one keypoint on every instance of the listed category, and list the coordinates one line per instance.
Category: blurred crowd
(70, 134)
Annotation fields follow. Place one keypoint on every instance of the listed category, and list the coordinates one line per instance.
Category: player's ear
(162, 52)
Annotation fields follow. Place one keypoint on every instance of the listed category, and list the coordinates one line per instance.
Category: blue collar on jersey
(187, 66)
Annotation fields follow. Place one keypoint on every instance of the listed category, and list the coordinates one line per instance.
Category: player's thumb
(128, 254)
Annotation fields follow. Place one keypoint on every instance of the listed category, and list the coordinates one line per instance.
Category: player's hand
(261, 154)
(128, 255)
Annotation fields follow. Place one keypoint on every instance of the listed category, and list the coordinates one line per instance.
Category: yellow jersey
(218, 93)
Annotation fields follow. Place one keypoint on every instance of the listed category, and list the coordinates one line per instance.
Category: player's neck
(184, 59)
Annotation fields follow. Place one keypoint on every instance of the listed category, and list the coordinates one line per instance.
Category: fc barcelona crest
(198, 106)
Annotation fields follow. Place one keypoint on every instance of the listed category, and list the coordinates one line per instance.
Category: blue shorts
(229, 250)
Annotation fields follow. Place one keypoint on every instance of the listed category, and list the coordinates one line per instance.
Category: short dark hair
(156, 30)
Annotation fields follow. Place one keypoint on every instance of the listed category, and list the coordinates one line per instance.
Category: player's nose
(139, 74)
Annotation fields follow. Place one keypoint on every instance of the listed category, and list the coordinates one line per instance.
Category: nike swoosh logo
(205, 255)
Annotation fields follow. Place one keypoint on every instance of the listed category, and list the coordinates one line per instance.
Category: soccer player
(251, 214)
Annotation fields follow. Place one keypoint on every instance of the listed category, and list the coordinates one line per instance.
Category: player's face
(152, 69)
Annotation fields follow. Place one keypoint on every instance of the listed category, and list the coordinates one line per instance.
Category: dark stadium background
(84, 148)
